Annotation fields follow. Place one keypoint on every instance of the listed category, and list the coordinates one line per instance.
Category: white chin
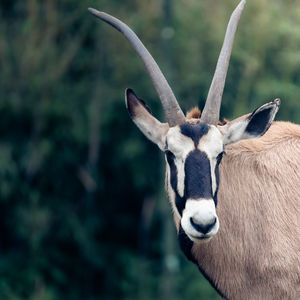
(200, 240)
(199, 237)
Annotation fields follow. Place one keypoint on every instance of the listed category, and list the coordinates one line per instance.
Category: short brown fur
(193, 116)
(194, 113)
(256, 253)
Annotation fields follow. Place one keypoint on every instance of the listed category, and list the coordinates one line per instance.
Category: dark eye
(220, 156)
(170, 156)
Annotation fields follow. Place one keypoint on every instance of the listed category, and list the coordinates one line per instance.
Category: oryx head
(193, 147)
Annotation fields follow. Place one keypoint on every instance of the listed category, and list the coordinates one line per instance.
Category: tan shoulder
(278, 133)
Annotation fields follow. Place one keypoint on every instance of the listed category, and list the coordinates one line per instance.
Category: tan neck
(255, 254)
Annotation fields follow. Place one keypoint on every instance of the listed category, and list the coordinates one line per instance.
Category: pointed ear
(141, 115)
(251, 125)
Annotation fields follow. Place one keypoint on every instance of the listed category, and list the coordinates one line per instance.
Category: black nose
(203, 228)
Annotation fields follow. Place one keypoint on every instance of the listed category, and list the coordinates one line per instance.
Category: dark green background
(83, 214)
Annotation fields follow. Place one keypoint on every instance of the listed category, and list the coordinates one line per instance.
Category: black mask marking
(198, 181)
(194, 131)
(186, 245)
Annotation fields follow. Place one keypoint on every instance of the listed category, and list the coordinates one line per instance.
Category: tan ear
(251, 125)
(141, 115)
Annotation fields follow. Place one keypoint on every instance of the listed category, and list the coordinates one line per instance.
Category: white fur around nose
(203, 211)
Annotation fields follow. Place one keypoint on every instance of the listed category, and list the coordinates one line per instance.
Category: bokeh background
(83, 214)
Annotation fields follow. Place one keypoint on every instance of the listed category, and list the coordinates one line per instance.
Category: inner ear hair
(261, 119)
(132, 101)
(141, 115)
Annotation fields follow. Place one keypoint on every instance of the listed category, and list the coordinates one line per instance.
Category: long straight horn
(173, 112)
(211, 110)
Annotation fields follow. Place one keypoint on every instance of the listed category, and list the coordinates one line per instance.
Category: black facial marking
(179, 201)
(185, 245)
(217, 174)
(197, 185)
(173, 170)
(219, 157)
(197, 182)
(259, 121)
(194, 131)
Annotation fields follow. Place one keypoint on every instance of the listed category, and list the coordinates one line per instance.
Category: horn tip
(91, 10)
(94, 11)
(242, 4)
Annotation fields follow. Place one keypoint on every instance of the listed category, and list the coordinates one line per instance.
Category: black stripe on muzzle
(197, 182)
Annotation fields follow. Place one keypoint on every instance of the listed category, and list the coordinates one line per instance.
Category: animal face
(193, 148)
(193, 153)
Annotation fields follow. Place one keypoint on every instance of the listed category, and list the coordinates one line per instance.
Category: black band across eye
(220, 156)
(170, 156)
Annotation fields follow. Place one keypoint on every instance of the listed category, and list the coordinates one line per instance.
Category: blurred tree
(82, 208)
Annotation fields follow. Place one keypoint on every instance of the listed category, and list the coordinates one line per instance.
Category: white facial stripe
(213, 176)
(212, 145)
(180, 176)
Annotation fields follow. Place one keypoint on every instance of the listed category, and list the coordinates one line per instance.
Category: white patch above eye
(179, 144)
(211, 143)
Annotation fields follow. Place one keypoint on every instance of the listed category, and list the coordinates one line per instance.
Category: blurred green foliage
(83, 213)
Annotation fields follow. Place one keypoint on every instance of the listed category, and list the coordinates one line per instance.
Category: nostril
(201, 227)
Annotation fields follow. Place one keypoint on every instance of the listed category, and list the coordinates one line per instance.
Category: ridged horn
(212, 106)
(173, 112)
